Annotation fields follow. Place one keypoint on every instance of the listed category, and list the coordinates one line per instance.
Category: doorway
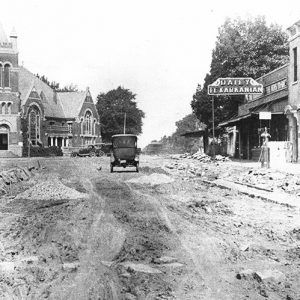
(3, 141)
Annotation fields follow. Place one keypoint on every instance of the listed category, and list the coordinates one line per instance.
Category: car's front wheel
(101, 153)
(73, 154)
(92, 154)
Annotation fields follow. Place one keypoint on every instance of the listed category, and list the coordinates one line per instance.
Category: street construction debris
(51, 189)
(153, 179)
(12, 176)
(200, 156)
(269, 180)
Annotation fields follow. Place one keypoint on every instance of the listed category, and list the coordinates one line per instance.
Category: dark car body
(124, 151)
(89, 150)
(105, 147)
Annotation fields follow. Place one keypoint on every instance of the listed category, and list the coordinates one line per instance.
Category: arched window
(94, 127)
(1, 70)
(88, 122)
(9, 108)
(4, 137)
(6, 75)
(81, 126)
(3, 104)
(34, 125)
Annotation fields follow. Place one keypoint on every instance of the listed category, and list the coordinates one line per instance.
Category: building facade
(281, 100)
(33, 113)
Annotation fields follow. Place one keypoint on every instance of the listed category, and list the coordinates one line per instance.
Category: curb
(251, 191)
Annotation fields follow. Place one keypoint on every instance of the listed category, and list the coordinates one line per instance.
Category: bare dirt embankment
(74, 232)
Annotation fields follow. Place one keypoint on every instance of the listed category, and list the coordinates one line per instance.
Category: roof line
(285, 65)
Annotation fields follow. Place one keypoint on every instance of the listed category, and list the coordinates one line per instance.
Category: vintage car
(124, 151)
(105, 147)
(90, 150)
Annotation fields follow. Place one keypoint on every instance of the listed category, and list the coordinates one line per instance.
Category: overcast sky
(160, 50)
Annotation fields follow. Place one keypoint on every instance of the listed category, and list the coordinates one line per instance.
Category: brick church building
(32, 112)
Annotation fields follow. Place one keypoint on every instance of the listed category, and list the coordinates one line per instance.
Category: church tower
(10, 135)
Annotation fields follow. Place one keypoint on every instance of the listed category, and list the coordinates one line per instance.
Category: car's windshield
(124, 142)
(99, 146)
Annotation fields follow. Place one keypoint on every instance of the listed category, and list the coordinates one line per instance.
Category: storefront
(244, 138)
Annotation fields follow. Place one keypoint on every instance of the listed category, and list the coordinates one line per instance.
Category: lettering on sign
(274, 87)
(235, 86)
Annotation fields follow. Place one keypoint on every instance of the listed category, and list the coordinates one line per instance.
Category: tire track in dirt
(94, 280)
(148, 238)
(201, 251)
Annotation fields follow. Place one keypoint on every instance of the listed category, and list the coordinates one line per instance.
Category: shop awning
(265, 107)
(234, 120)
(197, 133)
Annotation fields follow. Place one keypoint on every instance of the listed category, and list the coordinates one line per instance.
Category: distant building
(154, 148)
(32, 111)
(281, 101)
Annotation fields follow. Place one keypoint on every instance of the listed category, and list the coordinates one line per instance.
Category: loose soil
(76, 231)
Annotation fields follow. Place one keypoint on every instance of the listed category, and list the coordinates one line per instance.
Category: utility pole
(125, 123)
(213, 126)
(29, 135)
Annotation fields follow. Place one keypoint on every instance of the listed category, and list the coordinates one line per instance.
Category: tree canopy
(244, 48)
(179, 143)
(56, 86)
(112, 107)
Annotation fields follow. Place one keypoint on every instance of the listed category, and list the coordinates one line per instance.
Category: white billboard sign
(265, 115)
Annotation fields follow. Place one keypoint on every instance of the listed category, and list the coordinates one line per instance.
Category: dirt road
(76, 231)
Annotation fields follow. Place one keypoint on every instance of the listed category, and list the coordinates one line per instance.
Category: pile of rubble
(202, 157)
(12, 176)
(51, 189)
(192, 168)
(269, 180)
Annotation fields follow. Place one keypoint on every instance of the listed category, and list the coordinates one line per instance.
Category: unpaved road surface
(76, 231)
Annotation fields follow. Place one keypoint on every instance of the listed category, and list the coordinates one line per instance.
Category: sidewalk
(276, 197)
(262, 193)
(292, 168)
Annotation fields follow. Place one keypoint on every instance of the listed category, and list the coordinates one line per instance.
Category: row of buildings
(281, 99)
(32, 112)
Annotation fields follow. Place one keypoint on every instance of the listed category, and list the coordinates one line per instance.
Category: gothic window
(1, 75)
(295, 64)
(34, 125)
(9, 108)
(94, 127)
(6, 75)
(88, 122)
(81, 126)
(3, 108)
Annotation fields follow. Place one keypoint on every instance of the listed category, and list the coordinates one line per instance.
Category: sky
(159, 49)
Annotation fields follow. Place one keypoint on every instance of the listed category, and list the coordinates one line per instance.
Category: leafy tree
(179, 143)
(112, 107)
(244, 48)
(68, 88)
(55, 85)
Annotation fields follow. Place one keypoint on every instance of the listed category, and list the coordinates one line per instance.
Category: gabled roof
(28, 81)
(71, 102)
(64, 105)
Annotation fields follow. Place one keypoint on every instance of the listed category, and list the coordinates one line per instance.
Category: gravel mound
(50, 190)
(153, 179)
(202, 157)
